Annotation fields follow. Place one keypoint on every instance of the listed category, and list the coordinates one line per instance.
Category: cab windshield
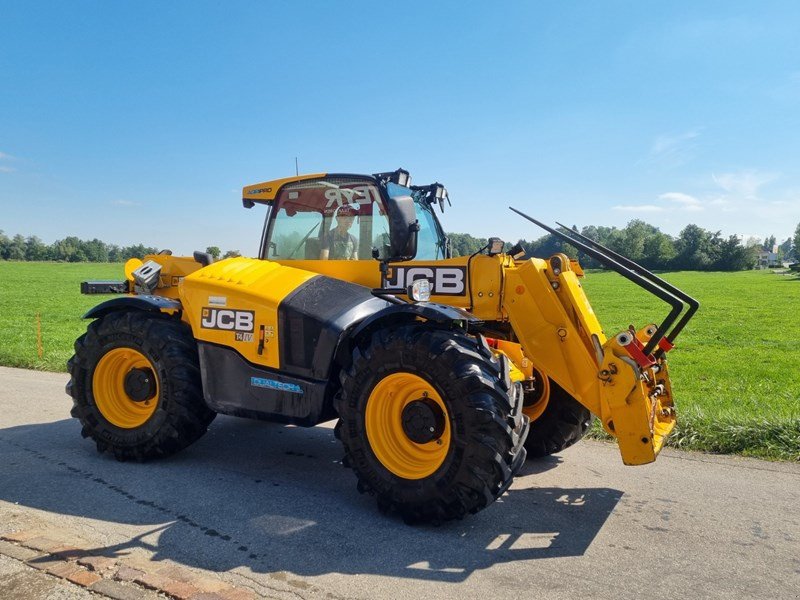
(338, 218)
(431, 242)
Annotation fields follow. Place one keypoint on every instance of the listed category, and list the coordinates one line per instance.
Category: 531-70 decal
(445, 281)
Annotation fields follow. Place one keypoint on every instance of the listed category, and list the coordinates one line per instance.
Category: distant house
(767, 260)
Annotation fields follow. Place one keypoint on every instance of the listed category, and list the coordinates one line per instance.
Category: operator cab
(348, 217)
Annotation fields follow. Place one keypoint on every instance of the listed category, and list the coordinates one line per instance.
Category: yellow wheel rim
(534, 407)
(108, 385)
(387, 437)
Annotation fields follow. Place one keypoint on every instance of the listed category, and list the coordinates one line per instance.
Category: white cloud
(669, 144)
(124, 203)
(672, 150)
(680, 198)
(745, 184)
(4, 156)
(638, 207)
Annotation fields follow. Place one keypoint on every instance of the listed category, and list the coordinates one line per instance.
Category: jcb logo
(228, 320)
(446, 281)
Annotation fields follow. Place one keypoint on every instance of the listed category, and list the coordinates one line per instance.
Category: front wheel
(430, 422)
(136, 387)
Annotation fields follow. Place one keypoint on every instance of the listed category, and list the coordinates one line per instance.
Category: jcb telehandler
(443, 372)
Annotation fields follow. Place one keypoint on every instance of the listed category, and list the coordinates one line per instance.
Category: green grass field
(734, 368)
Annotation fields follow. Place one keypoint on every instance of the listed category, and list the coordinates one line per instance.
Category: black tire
(487, 426)
(563, 422)
(180, 416)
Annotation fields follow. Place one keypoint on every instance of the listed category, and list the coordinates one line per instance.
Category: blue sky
(141, 121)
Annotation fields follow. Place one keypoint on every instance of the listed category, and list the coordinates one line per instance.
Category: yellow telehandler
(444, 372)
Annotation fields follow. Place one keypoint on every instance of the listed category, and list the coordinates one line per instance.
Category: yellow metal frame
(556, 326)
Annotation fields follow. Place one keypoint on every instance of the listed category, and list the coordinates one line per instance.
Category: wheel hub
(125, 387)
(140, 384)
(423, 421)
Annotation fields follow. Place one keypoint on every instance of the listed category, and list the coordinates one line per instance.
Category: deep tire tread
(563, 423)
(484, 457)
(182, 416)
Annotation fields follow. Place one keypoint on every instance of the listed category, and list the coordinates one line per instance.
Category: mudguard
(430, 311)
(140, 302)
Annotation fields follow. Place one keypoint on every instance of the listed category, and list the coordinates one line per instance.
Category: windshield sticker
(338, 197)
(445, 281)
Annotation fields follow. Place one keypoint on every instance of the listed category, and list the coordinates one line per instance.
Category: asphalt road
(272, 505)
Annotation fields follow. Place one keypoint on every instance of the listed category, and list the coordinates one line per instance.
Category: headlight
(420, 290)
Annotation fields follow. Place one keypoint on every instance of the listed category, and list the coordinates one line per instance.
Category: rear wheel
(430, 422)
(136, 387)
(557, 419)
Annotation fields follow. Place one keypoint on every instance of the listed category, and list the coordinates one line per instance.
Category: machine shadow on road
(276, 498)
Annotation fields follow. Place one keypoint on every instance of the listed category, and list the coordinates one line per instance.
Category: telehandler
(443, 372)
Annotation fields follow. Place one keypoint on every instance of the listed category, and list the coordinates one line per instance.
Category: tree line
(694, 249)
(70, 249)
(73, 249)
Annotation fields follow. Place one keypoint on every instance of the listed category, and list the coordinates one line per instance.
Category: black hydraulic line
(693, 304)
(627, 273)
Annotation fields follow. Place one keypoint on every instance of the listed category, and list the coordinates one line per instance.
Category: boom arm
(619, 379)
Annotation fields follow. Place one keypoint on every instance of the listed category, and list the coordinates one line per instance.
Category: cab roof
(265, 192)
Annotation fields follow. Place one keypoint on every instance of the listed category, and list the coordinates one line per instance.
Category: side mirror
(403, 228)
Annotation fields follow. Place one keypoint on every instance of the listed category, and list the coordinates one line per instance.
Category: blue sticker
(275, 385)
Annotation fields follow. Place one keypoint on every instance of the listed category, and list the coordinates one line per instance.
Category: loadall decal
(445, 281)
(228, 320)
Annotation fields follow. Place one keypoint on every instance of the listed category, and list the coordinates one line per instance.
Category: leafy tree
(796, 241)
(463, 244)
(137, 251)
(67, 250)
(696, 249)
(231, 253)
(548, 245)
(770, 243)
(16, 248)
(214, 251)
(35, 249)
(659, 251)
(785, 249)
(733, 256)
(114, 253)
(95, 250)
(4, 243)
(635, 235)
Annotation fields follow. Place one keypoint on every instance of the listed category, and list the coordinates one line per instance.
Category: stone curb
(114, 578)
